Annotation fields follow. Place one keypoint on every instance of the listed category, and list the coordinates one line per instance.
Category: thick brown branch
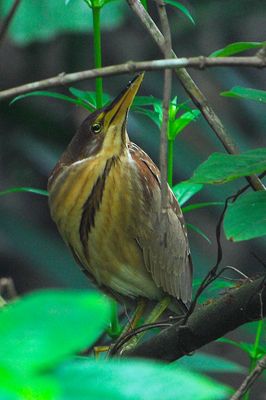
(192, 89)
(131, 67)
(250, 379)
(207, 323)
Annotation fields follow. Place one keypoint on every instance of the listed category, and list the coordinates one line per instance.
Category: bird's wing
(164, 242)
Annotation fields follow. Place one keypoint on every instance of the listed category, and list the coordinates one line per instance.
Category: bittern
(105, 198)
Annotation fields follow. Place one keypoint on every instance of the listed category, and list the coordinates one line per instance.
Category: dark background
(35, 131)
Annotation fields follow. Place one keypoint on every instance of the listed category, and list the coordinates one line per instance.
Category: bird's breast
(95, 204)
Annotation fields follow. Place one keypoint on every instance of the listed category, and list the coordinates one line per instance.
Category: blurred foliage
(38, 338)
(43, 19)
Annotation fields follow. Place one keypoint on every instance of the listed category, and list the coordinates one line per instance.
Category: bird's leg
(97, 350)
(138, 313)
(155, 314)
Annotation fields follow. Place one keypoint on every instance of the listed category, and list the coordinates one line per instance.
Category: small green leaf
(180, 123)
(203, 362)
(141, 101)
(131, 380)
(24, 189)
(246, 347)
(235, 48)
(183, 191)
(181, 8)
(199, 231)
(240, 92)
(221, 168)
(246, 218)
(89, 97)
(54, 95)
(197, 206)
(45, 327)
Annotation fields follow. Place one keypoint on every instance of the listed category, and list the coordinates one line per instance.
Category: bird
(105, 198)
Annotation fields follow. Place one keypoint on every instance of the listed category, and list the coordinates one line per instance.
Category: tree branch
(250, 379)
(199, 62)
(192, 89)
(207, 323)
(8, 19)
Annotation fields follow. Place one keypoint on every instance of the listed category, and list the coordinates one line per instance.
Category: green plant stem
(96, 11)
(254, 356)
(170, 161)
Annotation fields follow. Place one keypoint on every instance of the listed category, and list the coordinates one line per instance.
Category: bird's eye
(96, 128)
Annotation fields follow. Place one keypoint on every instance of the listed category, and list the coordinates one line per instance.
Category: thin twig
(192, 89)
(166, 100)
(8, 19)
(250, 379)
(199, 62)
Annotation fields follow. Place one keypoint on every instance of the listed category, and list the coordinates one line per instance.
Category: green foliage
(184, 10)
(24, 189)
(235, 48)
(246, 218)
(29, 328)
(134, 380)
(203, 362)
(221, 168)
(239, 92)
(43, 19)
(39, 335)
(185, 190)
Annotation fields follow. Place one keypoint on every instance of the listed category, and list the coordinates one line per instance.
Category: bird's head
(103, 132)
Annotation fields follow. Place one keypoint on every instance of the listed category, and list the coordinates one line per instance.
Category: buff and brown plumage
(105, 198)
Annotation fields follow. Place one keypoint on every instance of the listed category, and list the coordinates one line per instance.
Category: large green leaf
(221, 168)
(203, 362)
(131, 380)
(183, 191)
(240, 92)
(235, 48)
(44, 327)
(43, 19)
(246, 217)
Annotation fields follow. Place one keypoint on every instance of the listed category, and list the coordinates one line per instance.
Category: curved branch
(199, 62)
(208, 323)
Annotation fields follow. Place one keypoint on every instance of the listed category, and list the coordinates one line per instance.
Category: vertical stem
(97, 53)
(170, 162)
(253, 359)
(115, 328)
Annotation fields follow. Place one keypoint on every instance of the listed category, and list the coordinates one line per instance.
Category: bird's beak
(116, 112)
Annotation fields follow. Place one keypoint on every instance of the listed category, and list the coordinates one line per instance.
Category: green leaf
(44, 20)
(154, 116)
(89, 97)
(199, 231)
(246, 217)
(24, 189)
(131, 380)
(203, 362)
(240, 92)
(181, 8)
(141, 101)
(221, 168)
(16, 387)
(183, 191)
(180, 123)
(54, 95)
(44, 327)
(197, 206)
(235, 48)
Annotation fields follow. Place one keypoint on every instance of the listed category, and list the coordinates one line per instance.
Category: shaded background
(47, 38)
